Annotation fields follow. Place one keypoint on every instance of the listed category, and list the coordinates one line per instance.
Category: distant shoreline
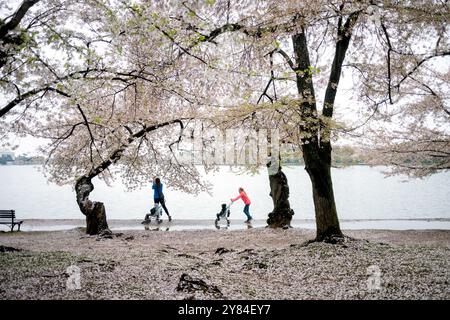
(20, 164)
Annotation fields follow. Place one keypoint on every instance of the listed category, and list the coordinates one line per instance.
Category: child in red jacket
(242, 195)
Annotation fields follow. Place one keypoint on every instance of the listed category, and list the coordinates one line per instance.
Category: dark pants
(163, 204)
(246, 211)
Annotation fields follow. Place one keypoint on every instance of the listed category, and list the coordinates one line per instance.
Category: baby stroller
(155, 212)
(224, 213)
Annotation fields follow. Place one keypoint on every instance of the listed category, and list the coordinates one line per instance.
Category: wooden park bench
(8, 217)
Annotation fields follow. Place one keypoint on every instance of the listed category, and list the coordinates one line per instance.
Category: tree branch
(286, 58)
(17, 17)
(388, 60)
(344, 35)
(117, 154)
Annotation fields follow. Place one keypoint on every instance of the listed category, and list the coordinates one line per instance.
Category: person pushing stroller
(159, 201)
(243, 195)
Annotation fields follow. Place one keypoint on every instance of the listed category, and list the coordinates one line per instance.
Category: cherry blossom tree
(132, 76)
(388, 48)
(125, 108)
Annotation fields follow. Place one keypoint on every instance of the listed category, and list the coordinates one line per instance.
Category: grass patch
(24, 262)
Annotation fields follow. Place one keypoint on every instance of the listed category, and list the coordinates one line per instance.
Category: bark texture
(318, 167)
(316, 144)
(282, 213)
(94, 211)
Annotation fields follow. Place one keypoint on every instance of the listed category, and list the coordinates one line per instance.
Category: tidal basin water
(363, 195)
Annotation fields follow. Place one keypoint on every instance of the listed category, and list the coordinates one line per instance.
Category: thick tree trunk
(282, 213)
(94, 211)
(318, 167)
(316, 145)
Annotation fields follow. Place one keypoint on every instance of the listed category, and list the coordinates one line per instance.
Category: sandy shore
(257, 263)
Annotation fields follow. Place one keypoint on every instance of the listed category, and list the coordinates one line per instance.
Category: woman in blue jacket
(158, 196)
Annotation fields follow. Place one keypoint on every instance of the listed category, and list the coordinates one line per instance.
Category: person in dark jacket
(158, 195)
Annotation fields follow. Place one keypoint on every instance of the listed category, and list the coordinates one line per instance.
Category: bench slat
(8, 217)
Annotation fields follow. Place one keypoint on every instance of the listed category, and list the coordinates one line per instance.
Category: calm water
(361, 193)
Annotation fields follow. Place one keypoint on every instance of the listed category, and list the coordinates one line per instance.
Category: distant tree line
(20, 160)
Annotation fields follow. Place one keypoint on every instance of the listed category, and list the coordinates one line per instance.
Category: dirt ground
(258, 263)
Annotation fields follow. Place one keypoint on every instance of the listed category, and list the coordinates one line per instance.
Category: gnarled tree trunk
(94, 211)
(282, 213)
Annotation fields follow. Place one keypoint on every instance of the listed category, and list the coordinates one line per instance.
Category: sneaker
(248, 220)
(170, 218)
